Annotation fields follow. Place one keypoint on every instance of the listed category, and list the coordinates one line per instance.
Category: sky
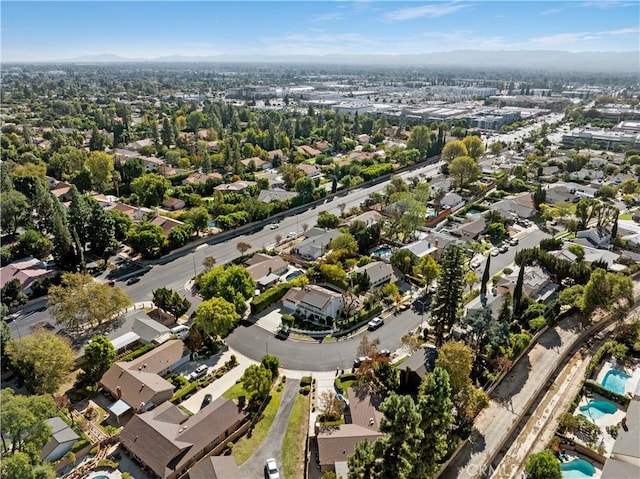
(57, 30)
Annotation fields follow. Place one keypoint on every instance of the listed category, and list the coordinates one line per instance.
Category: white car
(271, 469)
(275, 225)
(291, 235)
(198, 373)
(375, 323)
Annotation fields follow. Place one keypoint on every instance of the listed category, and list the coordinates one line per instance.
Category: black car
(206, 401)
(133, 280)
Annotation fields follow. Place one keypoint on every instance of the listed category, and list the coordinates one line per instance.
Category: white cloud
(621, 31)
(430, 11)
(328, 17)
(605, 5)
(558, 39)
(552, 11)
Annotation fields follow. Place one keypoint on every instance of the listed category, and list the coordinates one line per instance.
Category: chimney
(119, 392)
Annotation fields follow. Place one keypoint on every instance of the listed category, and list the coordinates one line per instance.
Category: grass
(235, 391)
(625, 217)
(346, 385)
(246, 446)
(293, 446)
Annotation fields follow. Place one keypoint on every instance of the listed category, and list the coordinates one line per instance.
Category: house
(313, 301)
(625, 455)
(62, 440)
(27, 270)
(173, 204)
(150, 162)
(471, 230)
(199, 178)
(266, 270)
(235, 187)
(311, 171)
(362, 139)
(308, 150)
(62, 191)
(368, 218)
(521, 206)
(440, 241)
(452, 200)
(255, 162)
(316, 243)
(167, 224)
(336, 443)
(379, 273)
(590, 255)
(597, 237)
(536, 283)
(276, 154)
(492, 301)
(168, 441)
(136, 213)
(138, 383)
(215, 467)
(275, 194)
(421, 248)
(149, 330)
(322, 145)
(420, 363)
(138, 145)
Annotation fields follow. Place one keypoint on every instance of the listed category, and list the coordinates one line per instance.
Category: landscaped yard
(235, 391)
(246, 446)
(294, 440)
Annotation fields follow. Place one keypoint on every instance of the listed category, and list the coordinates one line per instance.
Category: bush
(597, 357)
(269, 297)
(537, 323)
(185, 392)
(604, 392)
(306, 381)
(108, 463)
(305, 390)
(345, 377)
(80, 444)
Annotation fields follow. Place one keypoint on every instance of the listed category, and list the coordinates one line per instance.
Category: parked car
(359, 360)
(495, 252)
(206, 401)
(181, 331)
(513, 241)
(476, 264)
(504, 248)
(271, 469)
(384, 353)
(133, 280)
(375, 323)
(274, 226)
(198, 373)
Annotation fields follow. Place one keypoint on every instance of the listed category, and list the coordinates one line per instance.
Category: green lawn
(294, 440)
(245, 447)
(625, 217)
(235, 391)
(346, 385)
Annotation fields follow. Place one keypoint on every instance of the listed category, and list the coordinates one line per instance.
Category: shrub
(305, 381)
(537, 323)
(108, 463)
(345, 377)
(185, 392)
(604, 392)
(305, 390)
(138, 352)
(80, 444)
(269, 297)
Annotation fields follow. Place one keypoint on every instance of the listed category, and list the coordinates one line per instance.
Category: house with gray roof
(215, 467)
(276, 194)
(62, 440)
(625, 454)
(316, 243)
(379, 273)
(420, 363)
(313, 301)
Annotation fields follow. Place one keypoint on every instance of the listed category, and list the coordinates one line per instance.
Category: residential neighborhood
(244, 271)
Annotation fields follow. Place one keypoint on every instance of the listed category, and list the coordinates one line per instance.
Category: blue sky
(33, 31)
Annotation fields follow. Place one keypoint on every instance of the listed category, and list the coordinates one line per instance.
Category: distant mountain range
(522, 59)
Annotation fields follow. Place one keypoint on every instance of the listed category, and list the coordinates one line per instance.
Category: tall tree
(24, 422)
(99, 355)
(464, 170)
(420, 139)
(485, 277)
(543, 465)
(475, 146)
(453, 149)
(146, 238)
(150, 189)
(43, 360)
(100, 166)
(362, 463)
(216, 317)
(171, 302)
(434, 406)
(456, 359)
(517, 291)
(257, 380)
(445, 310)
(14, 210)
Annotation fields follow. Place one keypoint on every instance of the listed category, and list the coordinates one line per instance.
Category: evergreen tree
(505, 313)
(434, 406)
(362, 463)
(517, 292)
(539, 197)
(99, 354)
(445, 311)
(485, 277)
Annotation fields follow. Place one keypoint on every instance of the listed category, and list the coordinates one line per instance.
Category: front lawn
(245, 447)
(235, 391)
(293, 446)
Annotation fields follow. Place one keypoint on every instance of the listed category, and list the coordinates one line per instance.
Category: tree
(543, 465)
(386, 375)
(150, 189)
(406, 215)
(607, 291)
(485, 277)
(448, 296)
(227, 282)
(100, 167)
(346, 243)
(122, 223)
(390, 293)
(171, 302)
(14, 210)
(434, 406)
(456, 358)
(398, 450)
(475, 147)
(404, 260)
(12, 294)
(243, 247)
(464, 170)
(453, 149)
(328, 220)
(428, 268)
(539, 197)
(209, 262)
(333, 273)
(257, 380)
(24, 422)
(272, 363)
(577, 250)
(485, 330)
(471, 278)
(216, 317)
(146, 238)
(420, 139)
(43, 360)
(330, 406)
(362, 463)
(80, 302)
(99, 354)
(517, 291)
(199, 217)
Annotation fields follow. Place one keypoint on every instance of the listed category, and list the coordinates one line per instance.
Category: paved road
(271, 446)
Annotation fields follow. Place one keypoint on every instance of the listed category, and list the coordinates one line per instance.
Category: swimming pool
(294, 275)
(577, 469)
(615, 381)
(597, 409)
(381, 251)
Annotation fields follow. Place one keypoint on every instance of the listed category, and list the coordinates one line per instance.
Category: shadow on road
(514, 381)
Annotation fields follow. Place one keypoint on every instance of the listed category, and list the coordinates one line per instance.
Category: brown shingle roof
(335, 444)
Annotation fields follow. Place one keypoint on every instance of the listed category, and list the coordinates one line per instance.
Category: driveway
(253, 468)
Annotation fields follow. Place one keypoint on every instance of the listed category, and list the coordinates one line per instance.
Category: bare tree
(342, 207)
(243, 247)
(330, 406)
(368, 348)
(305, 227)
(209, 262)
(278, 238)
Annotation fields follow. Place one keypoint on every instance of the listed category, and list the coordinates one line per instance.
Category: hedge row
(269, 297)
(185, 392)
(345, 377)
(374, 171)
(597, 357)
(604, 392)
(138, 352)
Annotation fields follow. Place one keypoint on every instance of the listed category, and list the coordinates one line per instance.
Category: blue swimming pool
(381, 251)
(577, 469)
(615, 381)
(597, 409)
(294, 275)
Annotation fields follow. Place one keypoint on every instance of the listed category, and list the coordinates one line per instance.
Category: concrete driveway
(253, 468)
